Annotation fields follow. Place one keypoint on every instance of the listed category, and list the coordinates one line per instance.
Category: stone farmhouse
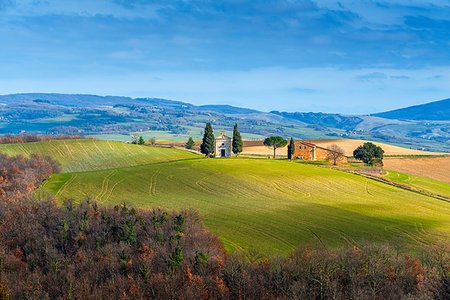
(223, 145)
(304, 149)
(310, 151)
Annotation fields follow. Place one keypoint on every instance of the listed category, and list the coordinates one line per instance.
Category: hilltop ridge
(433, 111)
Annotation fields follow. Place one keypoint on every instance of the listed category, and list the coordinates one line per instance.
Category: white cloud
(87, 8)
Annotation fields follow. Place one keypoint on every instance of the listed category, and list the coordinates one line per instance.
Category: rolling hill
(94, 115)
(88, 155)
(271, 206)
(433, 111)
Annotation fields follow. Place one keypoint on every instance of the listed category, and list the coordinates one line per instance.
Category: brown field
(257, 147)
(437, 168)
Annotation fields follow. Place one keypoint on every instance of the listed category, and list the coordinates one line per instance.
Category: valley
(276, 204)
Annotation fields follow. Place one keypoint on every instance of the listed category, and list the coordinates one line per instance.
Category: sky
(351, 57)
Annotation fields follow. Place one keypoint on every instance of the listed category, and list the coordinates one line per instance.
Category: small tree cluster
(137, 139)
(367, 152)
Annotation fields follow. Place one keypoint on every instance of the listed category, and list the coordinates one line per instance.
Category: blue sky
(291, 55)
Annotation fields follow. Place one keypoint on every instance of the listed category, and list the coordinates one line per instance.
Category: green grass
(421, 183)
(272, 206)
(87, 155)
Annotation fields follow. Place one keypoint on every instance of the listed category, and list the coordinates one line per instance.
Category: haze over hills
(437, 110)
(168, 119)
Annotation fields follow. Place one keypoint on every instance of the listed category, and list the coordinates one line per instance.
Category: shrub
(367, 152)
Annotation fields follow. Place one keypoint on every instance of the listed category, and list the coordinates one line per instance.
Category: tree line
(29, 138)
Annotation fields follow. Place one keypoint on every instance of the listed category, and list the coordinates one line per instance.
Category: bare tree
(335, 153)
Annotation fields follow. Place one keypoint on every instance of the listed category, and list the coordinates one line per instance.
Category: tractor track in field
(23, 149)
(68, 150)
(112, 189)
(293, 186)
(110, 146)
(270, 235)
(202, 185)
(65, 185)
(152, 187)
(83, 148)
(367, 189)
(105, 184)
(58, 149)
(317, 236)
(416, 238)
(420, 229)
(344, 236)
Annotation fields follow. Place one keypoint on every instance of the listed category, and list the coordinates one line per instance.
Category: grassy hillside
(87, 155)
(421, 183)
(272, 206)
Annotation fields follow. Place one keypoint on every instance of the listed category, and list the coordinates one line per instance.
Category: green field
(87, 155)
(272, 206)
(420, 183)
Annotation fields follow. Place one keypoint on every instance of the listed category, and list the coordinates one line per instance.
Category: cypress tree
(190, 143)
(237, 141)
(291, 148)
(207, 146)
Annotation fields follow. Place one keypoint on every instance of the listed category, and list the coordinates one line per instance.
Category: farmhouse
(223, 145)
(310, 151)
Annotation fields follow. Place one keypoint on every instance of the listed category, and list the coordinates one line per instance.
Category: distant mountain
(433, 111)
(66, 99)
(322, 119)
(86, 100)
(227, 109)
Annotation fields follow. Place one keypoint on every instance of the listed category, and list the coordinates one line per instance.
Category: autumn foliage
(20, 176)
